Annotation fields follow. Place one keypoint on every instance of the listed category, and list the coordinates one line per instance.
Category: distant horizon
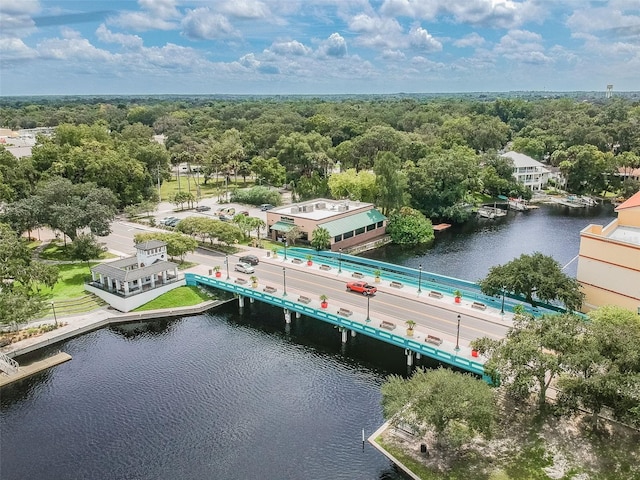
(317, 47)
(614, 93)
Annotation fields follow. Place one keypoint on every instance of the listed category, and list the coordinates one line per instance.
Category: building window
(379, 224)
(337, 238)
(360, 231)
(347, 235)
(371, 227)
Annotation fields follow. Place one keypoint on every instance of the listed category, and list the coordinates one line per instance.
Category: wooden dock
(441, 226)
(33, 368)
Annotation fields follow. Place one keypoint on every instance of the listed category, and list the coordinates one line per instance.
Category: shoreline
(90, 321)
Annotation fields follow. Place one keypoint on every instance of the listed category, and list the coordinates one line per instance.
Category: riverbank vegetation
(178, 297)
(564, 384)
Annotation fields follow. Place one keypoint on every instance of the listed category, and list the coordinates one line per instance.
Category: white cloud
(522, 46)
(71, 47)
(289, 48)
(141, 21)
(421, 39)
(156, 15)
(393, 55)
(334, 46)
(128, 41)
(472, 40)
(22, 7)
(15, 49)
(202, 23)
(160, 8)
(249, 61)
(248, 9)
(489, 13)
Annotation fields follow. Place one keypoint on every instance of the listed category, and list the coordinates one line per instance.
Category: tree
(85, 247)
(72, 207)
(410, 227)
(320, 238)
(533, 354)
(456, 406)
(268, 170)
(359, 186)
(537, 277)
(292, 235)
(605, 369)
(391, 182)
(20, 278)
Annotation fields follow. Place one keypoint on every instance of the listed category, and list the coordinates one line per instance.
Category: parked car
(361, 287)
(243, 212)
(166, 220)
(244, 268)
(250, 259)
(202, 208)
(224, 218)
(173, 223)
(266, 206)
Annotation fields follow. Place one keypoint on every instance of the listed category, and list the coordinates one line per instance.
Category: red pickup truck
(361, 287)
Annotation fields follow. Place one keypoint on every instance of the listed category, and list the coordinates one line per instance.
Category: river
(237, 395)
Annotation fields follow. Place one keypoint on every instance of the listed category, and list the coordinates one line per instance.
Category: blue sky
(78, 47)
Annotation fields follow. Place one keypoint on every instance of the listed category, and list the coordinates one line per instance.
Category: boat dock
(441, 226)
(34, 368)
(491, 212)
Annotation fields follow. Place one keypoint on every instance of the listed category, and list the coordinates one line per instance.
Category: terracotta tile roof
(634, 201)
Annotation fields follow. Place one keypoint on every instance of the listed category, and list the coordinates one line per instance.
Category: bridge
(297, 280)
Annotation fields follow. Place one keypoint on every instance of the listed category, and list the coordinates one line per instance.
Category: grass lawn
(179, 297)
(70, 282)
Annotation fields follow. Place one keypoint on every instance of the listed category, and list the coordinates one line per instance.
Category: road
(438, 316)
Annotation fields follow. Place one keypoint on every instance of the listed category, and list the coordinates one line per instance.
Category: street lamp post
(284, 281)
(458, 335)
(368, 299)
(226, 261)
(502, 307)
(420, 278)
(285, 249)
(340, 261)
(55, 318)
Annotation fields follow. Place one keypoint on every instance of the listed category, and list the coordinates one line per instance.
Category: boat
(588, 201)
(491, 212)
(569, 201)
(518, 204)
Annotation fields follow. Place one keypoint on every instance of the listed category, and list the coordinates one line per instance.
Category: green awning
(282, 226)
(353, 222)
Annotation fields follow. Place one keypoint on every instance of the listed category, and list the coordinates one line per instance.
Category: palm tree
(320, 238)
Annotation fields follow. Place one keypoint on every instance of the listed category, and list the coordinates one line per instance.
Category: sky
(267, 47)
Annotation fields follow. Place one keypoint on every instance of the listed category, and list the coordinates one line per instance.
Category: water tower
(609, 91)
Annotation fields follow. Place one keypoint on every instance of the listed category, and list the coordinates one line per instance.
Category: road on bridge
(433, 316)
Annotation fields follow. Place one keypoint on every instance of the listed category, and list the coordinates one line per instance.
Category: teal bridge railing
(279, 300)
(428, 280)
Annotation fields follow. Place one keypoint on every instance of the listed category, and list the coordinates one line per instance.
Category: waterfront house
(129, 282)
(528, 171)
(609, 260)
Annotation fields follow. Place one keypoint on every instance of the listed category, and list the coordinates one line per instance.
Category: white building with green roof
(349, 223)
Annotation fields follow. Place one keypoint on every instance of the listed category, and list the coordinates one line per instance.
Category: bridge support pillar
(251, 299)
(353, 333)
(298, 315)
(409, 355)
(345, 334)
(287, 315)
(418, 356)
(240, 301)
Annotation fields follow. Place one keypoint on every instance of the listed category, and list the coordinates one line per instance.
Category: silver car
(244, 268)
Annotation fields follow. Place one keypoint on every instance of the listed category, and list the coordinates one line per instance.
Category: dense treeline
(434, 155)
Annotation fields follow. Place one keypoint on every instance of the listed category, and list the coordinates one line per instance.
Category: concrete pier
(35, 367)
